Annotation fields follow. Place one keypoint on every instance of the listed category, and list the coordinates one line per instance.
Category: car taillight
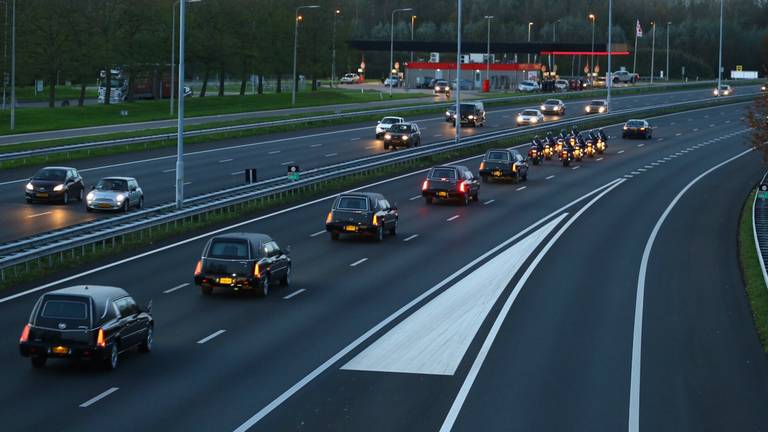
(101, 342)
(329, 219)
(425, 185)
(482, 165)
(375, 220)
(462, 187)
(514, 167)
(24, 334)
(256, 270)
(199, 268)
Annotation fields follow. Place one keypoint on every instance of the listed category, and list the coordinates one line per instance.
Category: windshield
(441, 83)
(401, 128)
(443, 173)
(530, 113)
(598, 103)
(635, 123)
(112, 185)
(352, 203)
(229, 249)
(552, 102)
(390, 120)
(498, 155)
(51, 174)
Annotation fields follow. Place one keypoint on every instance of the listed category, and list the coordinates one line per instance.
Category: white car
(383, 126)
(724, 90)
(392, 81)
(530, 117)
(528, 86)
(561, 84)
(350, 78)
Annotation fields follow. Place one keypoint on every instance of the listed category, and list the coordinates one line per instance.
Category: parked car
(528, 86)
(450, 182)
(597, 106)
(383, 126)
(362, 213)
(115, 193)
(402, 135)
(242, 262)
(392, 81)
(55, 184)
(561, 85)
(529, 116)
(553, 106)
(86, 322)
(441, 86)
(350, 78)
(623, 76)
(724, 90)
(465, 84)
(503, 163)
(637, 128)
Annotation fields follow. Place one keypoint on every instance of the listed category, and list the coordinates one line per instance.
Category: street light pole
(173, 50)
(592, 58)
(653, 46)
(554, 39)
(392, 46)
(608, 80)
(5, 50)
(458, 72)
(333, 55)
(488, 55)
(413, 22)
(296, 20)
(668, 70)
(720, 53)
(530, 24)
(180, 125)
(13, 65)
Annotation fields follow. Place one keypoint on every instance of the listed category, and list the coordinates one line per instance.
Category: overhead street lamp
(5, 50)
(458, 72)
(392, 46)
(530, 24)
(720, 52)
(653, 47)
(13, 65)
(592, 17)
(336, 14)
(608, 78)
(668, 70)
(488, 58)
(297, 18)
(413, 23)
(554, 39)
(173, 50)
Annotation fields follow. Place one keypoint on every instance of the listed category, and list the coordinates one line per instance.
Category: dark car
(597, 106)
(502, 163)
(450, 182)
(362, 213)
(242, 261)
(441, 86)
(402, 135)
(55, 184)
(472, 113)
(86, 322)
(637, 128)
(553, 106)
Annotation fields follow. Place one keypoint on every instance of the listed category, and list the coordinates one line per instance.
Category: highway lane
(216, 166)
(271, 344)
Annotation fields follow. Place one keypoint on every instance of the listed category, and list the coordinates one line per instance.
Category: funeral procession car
(362, 213)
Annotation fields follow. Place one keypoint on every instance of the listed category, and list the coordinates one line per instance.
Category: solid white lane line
(225, 160)
(331, 154)
(358, 262)
(453, 413)
(641, 145)
(273, 152)
(294, 294)
(288, 163)
(211, 336)
(413, 198)
(90, 402)
(355, 139)
(435, 338)
(409, 238)
(317, 233)
(489, 202)
(39, 214)
(637, 335)
(315, 145)
(176, 288)
(522, 188)
(550, 177)
(599, 159)
(169, 170)
(452, 218)
(620, 152)
(237, 173)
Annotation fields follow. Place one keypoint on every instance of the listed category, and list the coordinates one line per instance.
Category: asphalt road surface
(219, 165)
(515, 313)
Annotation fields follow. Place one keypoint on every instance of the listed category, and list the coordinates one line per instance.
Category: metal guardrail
(259, 125)
(760, 225)
(55, 242)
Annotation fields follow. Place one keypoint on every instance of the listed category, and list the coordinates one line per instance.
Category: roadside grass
(71, 93)
(757, 292)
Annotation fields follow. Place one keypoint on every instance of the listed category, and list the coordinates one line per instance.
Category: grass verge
(752, 274)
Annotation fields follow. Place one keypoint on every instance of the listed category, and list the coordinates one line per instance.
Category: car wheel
(126, 206)
(88, 209)
(393, 230)
(80, 195)
(380, 234)
(466, 199)
(110, 363)
(386, 146)
(286, 280)
(38, 362)
(28, 200)
(264, 286)
(65, 200)
(334, 235)
(141, 202)
(146, 345)
(206, 290)
(428, 199)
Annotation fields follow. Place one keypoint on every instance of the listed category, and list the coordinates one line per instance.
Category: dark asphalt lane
(271, 344)
(215, 166)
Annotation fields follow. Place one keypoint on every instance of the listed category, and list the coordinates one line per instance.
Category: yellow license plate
(442, 194)
(105, 205)
(226, 281)
(42, 194)
(60, 350)
(497, 173)
(350, 228)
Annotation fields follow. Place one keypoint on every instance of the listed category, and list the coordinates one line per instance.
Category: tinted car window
(65, 309)
(352, 203)
(498, 155)
(390, 120)
(530, 113)
(51, 174)
(112, 185)
(635, 124)
(551, 102)
(401, 128)
(598, 103)
(228, 249)
(447, 173)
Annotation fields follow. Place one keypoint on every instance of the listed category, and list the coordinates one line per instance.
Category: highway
(219, 165)
(604, 296)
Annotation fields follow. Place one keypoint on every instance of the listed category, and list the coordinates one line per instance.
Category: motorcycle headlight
(120, 198)
(29, 186)
(447, 113)
(58, 188)
(387, 136)
(90, 196)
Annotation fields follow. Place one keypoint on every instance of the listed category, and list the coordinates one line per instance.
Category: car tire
(80, 195)
(126, 206)
(146, 344)
(111, 362)
(393, 230)
(38, 362)
(466, 199)
(286, 279)
(334, 235)
(206, 290)
(264, 286)
(88, 209)
(379, 234)
(428, 199)
(386, 146)
(141, 202)
(65, 199)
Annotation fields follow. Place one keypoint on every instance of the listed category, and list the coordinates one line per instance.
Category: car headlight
(90, 196)
(448, 113)
(120, 198)
(587, 109)
(602, 109)
(405, 137)
(625, 127)
(58, 188)
(519, 119)
(29, 186)
(471, 117)
(387, 136)
(534, 120)
(726, 92)
(543, 107)
(714, 92)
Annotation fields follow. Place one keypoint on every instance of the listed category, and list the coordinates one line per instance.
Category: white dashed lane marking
(452, 218)
(409, 238)
(358, 262)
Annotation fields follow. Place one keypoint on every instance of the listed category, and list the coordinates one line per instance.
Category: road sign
(294, 173)
(739, 68)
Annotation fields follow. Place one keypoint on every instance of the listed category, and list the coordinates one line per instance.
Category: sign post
(294, 173)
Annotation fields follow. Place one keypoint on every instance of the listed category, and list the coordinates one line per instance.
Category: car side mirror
(133, 188)
(288, 250)
(148, 309)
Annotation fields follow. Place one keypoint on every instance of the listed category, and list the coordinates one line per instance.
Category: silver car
(115, 193)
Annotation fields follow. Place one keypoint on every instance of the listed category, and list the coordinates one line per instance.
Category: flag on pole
(638, 29)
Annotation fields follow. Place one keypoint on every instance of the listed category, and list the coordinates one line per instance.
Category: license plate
(350, 228)
(105, 206)
(497, 173)
(41, 194)
(442, 194)
(226, 281)
(60, 350)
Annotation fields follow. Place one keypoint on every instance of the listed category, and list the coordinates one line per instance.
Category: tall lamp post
(592, 18)
(720, 52)
(392, 46)
(668, 70)
(530, 24)
(458, 72)
(488, 55)
(5, 50)
(296, 20)
(336, 14)
(554, 39)
(608, 78)
(13, 65)
(653, 46)
(413, 23)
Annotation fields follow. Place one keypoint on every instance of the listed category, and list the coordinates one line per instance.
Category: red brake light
(100, 340)
(199, 268)
(24, 334)
(425, 185)
(462, 187)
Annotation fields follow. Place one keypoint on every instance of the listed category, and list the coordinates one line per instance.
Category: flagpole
(634, 61)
